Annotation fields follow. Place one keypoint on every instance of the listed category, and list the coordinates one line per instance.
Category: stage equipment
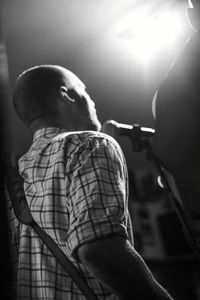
(141, 138)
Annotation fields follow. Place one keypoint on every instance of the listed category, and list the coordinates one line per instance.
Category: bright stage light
(152, 33)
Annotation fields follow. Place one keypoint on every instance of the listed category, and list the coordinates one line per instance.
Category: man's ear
(63, 92)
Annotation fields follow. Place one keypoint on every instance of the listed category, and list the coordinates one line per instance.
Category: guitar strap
(14, 183)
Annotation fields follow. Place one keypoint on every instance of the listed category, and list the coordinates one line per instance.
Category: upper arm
(98, 195)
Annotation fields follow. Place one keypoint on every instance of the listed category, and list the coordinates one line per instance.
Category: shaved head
(49, 95)
(37, 88)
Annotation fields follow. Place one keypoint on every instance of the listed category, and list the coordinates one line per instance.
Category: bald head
(37, 89)
(53, 95)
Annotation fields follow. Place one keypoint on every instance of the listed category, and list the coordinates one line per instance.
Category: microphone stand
(140, 143)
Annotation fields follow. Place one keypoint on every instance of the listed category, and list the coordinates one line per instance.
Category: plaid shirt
(76, 187)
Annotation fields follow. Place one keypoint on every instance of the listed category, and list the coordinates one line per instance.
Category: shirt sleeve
(98, 193)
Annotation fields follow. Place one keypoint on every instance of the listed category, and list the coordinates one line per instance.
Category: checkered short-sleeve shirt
(76, 187)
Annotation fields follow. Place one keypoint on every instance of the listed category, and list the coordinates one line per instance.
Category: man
(75, 181)
(177, 110)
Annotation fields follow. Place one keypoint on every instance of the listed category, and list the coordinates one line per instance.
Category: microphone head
(135, 131)
(110, 127)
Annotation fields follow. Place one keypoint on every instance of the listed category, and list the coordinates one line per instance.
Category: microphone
(116, 129)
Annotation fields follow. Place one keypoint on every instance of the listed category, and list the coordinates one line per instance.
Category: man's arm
(115, 262)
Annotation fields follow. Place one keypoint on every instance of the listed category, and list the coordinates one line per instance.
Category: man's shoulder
(83, 137)
(84, 141)
(69, 142)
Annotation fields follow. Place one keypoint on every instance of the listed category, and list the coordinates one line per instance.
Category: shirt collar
(48, 132)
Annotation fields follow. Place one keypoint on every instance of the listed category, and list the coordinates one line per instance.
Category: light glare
(153, 33)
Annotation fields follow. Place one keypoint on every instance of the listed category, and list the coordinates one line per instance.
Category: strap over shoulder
(14, 185)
